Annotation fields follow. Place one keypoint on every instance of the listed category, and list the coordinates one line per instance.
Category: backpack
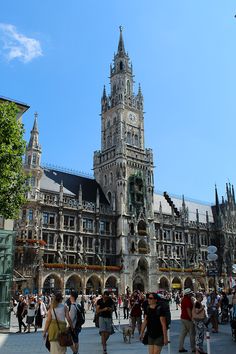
(80, 316)
(166, 309)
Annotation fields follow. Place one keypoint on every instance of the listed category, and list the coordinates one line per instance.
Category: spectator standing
(177, 301)
(199, 317)
(104, 310)
(21, 312)
(40, 313)
(213, 303)
(187, 325)
(30, 313)
(115, 300)
(155, 321)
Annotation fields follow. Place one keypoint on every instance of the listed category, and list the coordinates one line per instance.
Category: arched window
(142, 228)
(121, 65)
(136, 140)
(109, 197)
(105, 180)
(111, 178)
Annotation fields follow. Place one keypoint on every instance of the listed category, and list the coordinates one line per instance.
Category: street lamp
(212, 257)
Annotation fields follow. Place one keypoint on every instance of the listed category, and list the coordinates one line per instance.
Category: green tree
(12, 149)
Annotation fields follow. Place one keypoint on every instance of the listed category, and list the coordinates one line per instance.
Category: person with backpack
(76, 314)
(156, 323)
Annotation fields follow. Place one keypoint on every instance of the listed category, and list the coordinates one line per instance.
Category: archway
(73, 282)
(176, 284)
(93, 285)
(200, 284)
(52, 283)
(138, 283)
(164, 284)
(142, 247)
(211, 283)
(111, 284)
(142, 228)
(188, 283)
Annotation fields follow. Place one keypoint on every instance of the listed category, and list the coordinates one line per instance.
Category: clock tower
(124, 169)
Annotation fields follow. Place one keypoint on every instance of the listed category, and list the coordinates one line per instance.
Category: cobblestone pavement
(32, 343)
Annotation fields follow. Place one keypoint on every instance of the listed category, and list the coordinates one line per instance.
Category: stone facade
(113, 231)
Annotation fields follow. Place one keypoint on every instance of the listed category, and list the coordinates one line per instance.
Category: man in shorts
(104, 309)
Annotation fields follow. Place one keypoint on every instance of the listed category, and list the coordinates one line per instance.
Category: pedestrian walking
(126, 306)
(187, 325)
(57, 315)
(73, 315)
(155, 321)
(40, 313)
(199, 319)
(21, 312)
(104, 310)
(136, 311)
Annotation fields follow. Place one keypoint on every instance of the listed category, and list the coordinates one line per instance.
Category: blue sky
(55, 56)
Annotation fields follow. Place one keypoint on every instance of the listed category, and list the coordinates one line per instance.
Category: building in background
(113, 230)
(7, 241)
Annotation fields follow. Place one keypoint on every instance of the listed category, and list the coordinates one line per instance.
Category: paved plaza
(32, 343)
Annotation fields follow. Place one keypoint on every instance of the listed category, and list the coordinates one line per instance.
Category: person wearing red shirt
(186, 321)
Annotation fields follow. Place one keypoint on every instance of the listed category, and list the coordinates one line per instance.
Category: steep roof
(52, 179)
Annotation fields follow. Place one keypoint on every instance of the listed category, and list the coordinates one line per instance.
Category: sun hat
(188, 291)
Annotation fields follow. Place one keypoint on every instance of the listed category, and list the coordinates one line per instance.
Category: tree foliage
(12, 149)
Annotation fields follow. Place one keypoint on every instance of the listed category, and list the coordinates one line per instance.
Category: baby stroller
(233, 328)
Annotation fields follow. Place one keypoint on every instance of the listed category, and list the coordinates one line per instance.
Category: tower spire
(121, 46)
(35, 126)
(217, 201)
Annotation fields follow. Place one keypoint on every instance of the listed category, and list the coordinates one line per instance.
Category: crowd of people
(149, 313)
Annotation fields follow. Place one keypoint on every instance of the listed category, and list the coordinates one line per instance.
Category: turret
(33, 150)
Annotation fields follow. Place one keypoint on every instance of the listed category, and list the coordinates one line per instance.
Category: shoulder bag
(64, 338)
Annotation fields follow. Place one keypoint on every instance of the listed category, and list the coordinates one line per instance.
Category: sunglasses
(150, 298)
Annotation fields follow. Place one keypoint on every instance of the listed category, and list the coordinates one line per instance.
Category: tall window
(69, 221)
(30, 214)
(87, 225)
(34, 160)
(128, 87)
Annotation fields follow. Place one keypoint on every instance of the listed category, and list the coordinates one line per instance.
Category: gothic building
(113, 230)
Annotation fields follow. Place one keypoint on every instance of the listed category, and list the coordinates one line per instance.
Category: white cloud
(18, 46)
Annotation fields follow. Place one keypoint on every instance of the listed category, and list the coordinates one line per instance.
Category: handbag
(47, 343)
(145, 338)
(64, 338)
(198, 316)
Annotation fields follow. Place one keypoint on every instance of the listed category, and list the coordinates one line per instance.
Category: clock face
(132, 117)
